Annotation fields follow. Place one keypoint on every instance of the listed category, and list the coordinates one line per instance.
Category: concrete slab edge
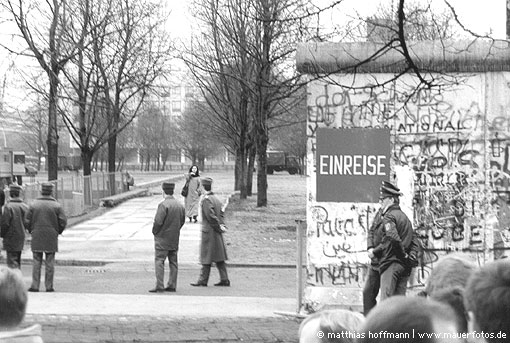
(97, 263)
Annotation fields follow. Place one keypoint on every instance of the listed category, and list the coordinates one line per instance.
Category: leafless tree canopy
(101, 58)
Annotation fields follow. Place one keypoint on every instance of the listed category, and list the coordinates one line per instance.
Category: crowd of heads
(462, 302)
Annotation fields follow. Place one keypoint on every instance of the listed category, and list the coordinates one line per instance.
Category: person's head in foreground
(452, 270)
(454, 296)
(13, 303)
(336, 325)
(487, 302)
(13, 298)
(401, 319)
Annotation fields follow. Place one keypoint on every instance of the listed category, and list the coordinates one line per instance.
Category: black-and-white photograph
(257, 171)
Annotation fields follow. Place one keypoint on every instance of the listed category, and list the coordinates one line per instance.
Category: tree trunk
(243, 174)
(52, 138)
(251, 167)
(158, 167)
(237, 172)
(262, 140)
(201, 163)
(86, 158)
(112, 144)
(39, 158)
(263, 81)
(241, 169)
(148, 162)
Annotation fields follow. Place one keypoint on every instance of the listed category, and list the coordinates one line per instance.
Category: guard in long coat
(13, 227)
(167, 226)
(212, 246)
(45, 220)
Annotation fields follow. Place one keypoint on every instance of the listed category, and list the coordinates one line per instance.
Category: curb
(101, 210)
(89, 215)
(96, 263)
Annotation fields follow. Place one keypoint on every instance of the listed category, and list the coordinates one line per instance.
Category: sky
(479, 16)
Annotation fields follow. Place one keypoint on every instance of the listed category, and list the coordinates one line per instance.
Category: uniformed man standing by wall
(397, 234)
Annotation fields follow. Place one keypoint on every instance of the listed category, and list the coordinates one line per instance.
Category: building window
(176, 92)
(174, 156)
(230, 156)
(189, 91)
(176, 106)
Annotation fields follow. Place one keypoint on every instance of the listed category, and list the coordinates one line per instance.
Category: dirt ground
(267, 235)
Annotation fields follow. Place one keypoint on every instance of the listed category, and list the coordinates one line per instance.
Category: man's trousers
(159, 261)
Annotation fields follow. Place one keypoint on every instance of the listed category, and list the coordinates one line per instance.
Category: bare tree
(288, 131)
(421, 23)
(126, 144)
(250, 44)
(35, 122)
(43, 27)
(221, 67)
(129, 60)
(195, 138)
(147, 135)
(83, 100)
(393, 31)
(280, 26)
(155, 137)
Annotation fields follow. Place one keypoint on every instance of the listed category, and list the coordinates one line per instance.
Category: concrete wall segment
(450, 151)
(440, 56)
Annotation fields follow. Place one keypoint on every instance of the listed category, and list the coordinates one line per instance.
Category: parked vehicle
(282, 161)
(30, 171)
(12, 165)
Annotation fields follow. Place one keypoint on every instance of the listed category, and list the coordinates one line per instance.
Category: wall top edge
(429, 56)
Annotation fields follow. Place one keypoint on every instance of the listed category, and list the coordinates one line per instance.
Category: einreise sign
(351, 164)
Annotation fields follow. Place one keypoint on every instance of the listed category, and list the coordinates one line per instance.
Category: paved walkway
(159, 305)
(122, 234)
(83, 329)
(122, 237)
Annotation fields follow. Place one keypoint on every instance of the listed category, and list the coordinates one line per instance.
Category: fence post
(300, 233)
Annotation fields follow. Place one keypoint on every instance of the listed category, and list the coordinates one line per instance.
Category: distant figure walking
(45, 220)
(212, 246)
(13, 226)
(192, 197)
(166, 230)
(127, 180)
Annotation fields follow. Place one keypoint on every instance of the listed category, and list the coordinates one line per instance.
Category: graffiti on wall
(449, 138)
(337, 243)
